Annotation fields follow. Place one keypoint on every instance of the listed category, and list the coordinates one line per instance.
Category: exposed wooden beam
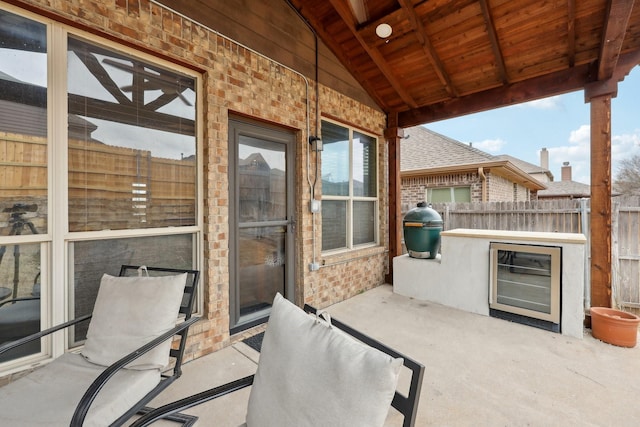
(379, 60)
(624, 66)
(615, 27)
(359, 10)
(601, 201)
(428, 48)
(515, 93)
(393, 134)
(495, 45)
(102, 76)
(129, 114)
(342, 56)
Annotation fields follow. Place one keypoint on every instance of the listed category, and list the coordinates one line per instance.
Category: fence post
(615, 252)
(584, 225)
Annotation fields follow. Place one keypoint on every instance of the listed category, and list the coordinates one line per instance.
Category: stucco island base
(459, 276)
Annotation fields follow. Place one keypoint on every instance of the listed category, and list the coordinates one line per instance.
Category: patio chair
(123, 364)
(19, 317)
(316, 371)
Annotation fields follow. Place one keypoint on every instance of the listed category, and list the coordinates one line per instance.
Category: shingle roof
(565, 189)
(525, 166)
(426, 149)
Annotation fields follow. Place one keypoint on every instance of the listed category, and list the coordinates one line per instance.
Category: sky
(559, 123)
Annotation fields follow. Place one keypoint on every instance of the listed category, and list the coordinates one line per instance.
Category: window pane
(334, 224)
(439, 195)
(19, 297)
(524, 280)
(132, 142)
(364, 165)
(92, 259)
(335, 160)
(364, 222)
(23, 125)
(462, 194)
(262, 180)
(261, 268)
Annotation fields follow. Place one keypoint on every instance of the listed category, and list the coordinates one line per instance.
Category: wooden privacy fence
(625, 250)
(564, 216)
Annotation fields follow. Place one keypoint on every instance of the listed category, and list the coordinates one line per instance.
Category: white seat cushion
(310, 374)
(128, 313)
(49, 395)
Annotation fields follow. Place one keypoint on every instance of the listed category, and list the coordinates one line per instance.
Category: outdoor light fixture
(316, 143)
(384, 30)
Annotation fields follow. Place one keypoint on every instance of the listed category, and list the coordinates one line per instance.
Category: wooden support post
(393, 135)
(601, 201)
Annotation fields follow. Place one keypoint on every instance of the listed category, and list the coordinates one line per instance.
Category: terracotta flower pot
(614, 326)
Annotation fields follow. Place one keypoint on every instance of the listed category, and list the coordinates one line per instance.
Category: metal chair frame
(177, 354)
(407, 405)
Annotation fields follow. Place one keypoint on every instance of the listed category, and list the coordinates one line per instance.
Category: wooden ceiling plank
(340, 53)
(547, 85)
(345, 13)
(571, 32)
(615, 28)
(495, 45)
(428, 48)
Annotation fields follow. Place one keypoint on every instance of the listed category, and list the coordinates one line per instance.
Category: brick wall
(498, 188)
(237, 80)
(503, 190)
(414, 188)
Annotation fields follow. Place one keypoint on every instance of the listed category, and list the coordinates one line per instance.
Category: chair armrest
(193, 400)
(38, 335)
(11, 301)
(89, 396)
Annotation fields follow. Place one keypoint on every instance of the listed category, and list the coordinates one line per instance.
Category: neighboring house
(540, 173)
(566, 188)
(436, 168)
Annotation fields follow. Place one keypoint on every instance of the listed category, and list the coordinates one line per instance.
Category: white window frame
(56, 267)
(350, 246)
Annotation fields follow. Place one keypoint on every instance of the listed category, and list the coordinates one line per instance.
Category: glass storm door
(261, 220)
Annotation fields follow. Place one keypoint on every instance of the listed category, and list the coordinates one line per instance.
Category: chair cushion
(313, 374)
(128, 313)
(36, 400)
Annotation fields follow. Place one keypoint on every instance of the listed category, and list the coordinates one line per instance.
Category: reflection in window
(261, 265)
(262, 180)
(92, 259)
(364, 165)
(19, 297)
(132, 142)
(335, 160)
(23, 176)
(349, 188)
(23, 122)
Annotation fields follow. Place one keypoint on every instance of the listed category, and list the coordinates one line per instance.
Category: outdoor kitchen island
(461, 276)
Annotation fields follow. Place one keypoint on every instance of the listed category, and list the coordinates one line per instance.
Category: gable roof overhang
(447, 58)
(502, 168)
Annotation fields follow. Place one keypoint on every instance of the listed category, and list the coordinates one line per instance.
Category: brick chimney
(566, 171)
(544, 159)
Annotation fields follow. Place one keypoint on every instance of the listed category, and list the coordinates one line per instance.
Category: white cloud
(578, 153)
(580, 135)
(623, 147)
(490, 145)
(551, 103)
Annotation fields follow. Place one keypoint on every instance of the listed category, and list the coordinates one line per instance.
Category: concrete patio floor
(480, 371)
